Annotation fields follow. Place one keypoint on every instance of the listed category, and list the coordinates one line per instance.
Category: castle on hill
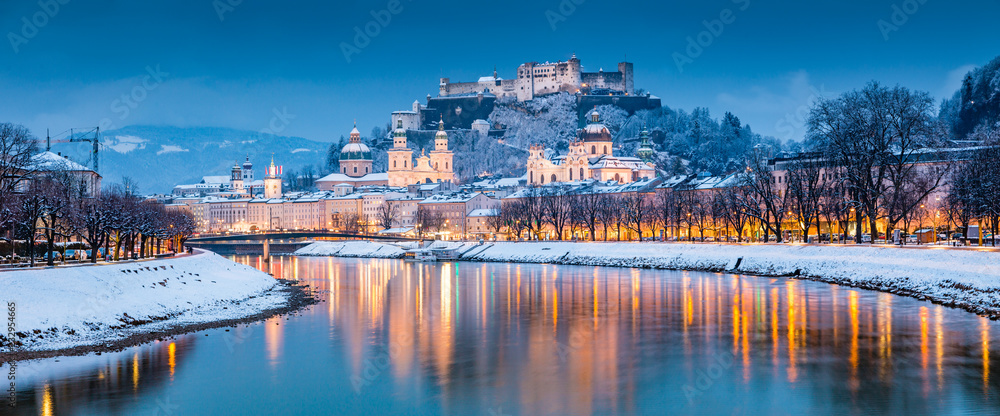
(535, 79)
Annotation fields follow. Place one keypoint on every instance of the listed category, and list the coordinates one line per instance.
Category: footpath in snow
(102, 305)
(967, 279)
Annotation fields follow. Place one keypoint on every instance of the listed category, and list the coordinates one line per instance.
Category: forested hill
(976, 103)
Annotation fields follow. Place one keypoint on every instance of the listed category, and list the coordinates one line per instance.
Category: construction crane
(90, 135)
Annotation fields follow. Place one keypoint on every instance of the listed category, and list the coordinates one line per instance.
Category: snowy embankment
(62, 308)
(968, 279)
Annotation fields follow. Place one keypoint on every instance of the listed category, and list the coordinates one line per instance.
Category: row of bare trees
(48, 202)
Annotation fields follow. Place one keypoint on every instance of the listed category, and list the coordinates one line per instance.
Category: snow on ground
(88, 305)
(351, 249)
(965, 278)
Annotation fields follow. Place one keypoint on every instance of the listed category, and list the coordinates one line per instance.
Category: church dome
(355, 151)
(595, 130)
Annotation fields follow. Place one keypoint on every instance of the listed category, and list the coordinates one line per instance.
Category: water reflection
(104, 384)
(468, 338)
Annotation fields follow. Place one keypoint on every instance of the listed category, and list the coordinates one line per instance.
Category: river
(394, 337)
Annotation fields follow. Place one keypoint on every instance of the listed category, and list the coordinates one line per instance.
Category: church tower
(272, 181)
(355, 157)
(247, 172)
(596, 137)
(441, 157)
(236, 180)
(645, 151)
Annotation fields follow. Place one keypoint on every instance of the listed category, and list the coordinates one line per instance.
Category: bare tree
(386, 214)
(17, 146)
(877, 135)
(556, 210)
(805, 189)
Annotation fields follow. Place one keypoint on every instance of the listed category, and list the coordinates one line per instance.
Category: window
(581, 173)
(393, 163)
(355, 169)
(571, 174)
(605, 149)
(531, 177)
(553, 178)
(593, 150)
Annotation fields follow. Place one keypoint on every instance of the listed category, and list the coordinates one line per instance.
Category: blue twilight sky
(235, 63)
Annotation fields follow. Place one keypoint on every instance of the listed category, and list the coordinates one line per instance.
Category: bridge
(261, 243)
(291, 235)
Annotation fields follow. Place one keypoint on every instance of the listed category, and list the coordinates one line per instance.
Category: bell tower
(441, 157)
(272, 181)
(400, 156)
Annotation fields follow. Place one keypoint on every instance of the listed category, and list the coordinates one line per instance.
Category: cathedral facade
(405, 170)
(590, 157)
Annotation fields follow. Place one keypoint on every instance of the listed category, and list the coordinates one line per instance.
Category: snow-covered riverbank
(63, 308)
(967, 279)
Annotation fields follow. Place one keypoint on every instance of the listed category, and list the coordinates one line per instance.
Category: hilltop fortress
(461, 104)
(535, 78)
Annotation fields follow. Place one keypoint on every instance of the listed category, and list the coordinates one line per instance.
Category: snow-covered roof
(483, 212)
(340, 177)
(456, 197)
(215, 179)
(500, 182)
(49, 161)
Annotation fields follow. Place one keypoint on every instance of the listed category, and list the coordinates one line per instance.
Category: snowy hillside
(160, 157)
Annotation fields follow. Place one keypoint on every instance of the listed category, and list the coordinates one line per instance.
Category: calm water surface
(392, 337)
